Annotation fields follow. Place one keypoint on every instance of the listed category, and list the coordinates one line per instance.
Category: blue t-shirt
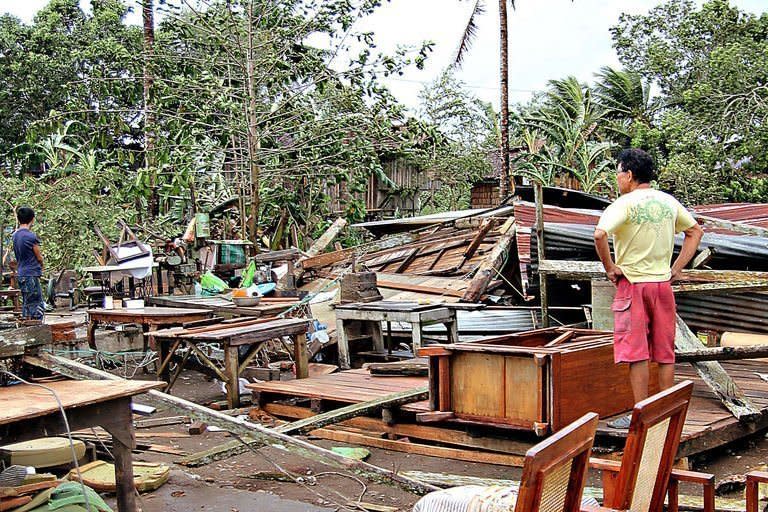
(23, 241)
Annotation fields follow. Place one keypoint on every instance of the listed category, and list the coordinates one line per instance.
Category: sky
(548, 39)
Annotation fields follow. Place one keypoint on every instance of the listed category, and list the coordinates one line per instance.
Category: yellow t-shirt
(643, 224)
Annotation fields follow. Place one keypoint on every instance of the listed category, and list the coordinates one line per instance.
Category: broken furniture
(539, 380)
(14, 295)
(370, 315)
(645, 475)
(111, 279)
(29, 412)
(128, 247)
(148, 317)
(248, 333)
(754, 479)
(554, 474)
(289, 257)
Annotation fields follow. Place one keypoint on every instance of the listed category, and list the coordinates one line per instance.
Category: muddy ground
(229, 485)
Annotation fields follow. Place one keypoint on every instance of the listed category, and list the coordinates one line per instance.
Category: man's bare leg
(638, 379)
(666, 375)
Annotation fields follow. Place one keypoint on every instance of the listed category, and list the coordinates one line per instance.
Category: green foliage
(711, 64)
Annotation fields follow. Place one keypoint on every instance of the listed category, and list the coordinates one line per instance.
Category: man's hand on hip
(613, 274)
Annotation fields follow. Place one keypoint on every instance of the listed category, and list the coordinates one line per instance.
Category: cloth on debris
(476, 498)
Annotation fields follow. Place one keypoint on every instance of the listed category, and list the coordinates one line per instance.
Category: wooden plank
(326, 238)
(421, 449)
(324, 260)
(738, 227)
(482, 231)
(337, 415)
(260, 434)
(413, 367)
(716, 377)
(492, 263)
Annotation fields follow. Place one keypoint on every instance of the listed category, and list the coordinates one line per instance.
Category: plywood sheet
(477, 384)
(24, 401)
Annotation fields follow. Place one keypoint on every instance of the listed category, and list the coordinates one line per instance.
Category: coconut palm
(627, 101)
(468, 36)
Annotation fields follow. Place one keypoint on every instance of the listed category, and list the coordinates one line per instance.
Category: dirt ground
(229, 485)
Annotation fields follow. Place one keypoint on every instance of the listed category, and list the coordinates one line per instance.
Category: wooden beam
(738, 227)
(485, 227)
(350, 411)
(722, 353)
(492, 263)
(588, 270)
(413, 367)
(715, 376)
(702, 258)
(322, 243)
(261, 435)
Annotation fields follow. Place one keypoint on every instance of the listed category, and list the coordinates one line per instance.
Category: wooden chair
(754, 479)
(553, 478)
(641, 480)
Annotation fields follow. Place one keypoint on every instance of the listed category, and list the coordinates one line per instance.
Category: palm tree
(626, 100)
(470, 32)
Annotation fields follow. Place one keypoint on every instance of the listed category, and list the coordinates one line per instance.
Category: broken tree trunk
(261, 435)
(715, 376)
(350, 411)
(492, 264)
(322, 243)
(722, 353)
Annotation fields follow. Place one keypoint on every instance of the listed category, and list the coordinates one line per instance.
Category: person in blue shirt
(26, 248)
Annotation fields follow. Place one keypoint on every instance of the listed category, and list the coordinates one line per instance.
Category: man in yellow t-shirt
(643, 222)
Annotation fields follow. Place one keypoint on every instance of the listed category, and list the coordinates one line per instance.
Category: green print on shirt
(650, 211)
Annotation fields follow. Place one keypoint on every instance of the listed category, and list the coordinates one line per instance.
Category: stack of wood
(359, 287)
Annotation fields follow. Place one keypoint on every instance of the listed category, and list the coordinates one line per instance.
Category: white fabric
(476, 498)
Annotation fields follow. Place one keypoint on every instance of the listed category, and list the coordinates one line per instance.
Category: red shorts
(644, 322)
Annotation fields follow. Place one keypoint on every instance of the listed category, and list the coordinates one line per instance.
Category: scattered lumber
(419, 289)
(449, 436)
(722, 353)
(715, 376)
(323, 260)
(337, 415)
(326, 238)
(485, 227)
(260, 434)
(492, 264)
(418, 367)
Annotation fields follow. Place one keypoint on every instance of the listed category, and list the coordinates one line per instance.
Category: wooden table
(14, 294)
(149, 318)
(230, 339)
(373, 313)
(29, 412)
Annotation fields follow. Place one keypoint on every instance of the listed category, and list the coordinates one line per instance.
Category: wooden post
(300, 355)
(538, 192)
(232, 367)
(342, 343)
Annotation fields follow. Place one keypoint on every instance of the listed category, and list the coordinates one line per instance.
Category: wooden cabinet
(539, 380)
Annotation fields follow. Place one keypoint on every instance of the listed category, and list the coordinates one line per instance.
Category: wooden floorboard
(708, 425)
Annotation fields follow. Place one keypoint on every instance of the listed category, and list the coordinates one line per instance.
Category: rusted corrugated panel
(739, 312)
(753, 214)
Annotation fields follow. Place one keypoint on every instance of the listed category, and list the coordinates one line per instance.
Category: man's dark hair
(25, 214)
(639, 162)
